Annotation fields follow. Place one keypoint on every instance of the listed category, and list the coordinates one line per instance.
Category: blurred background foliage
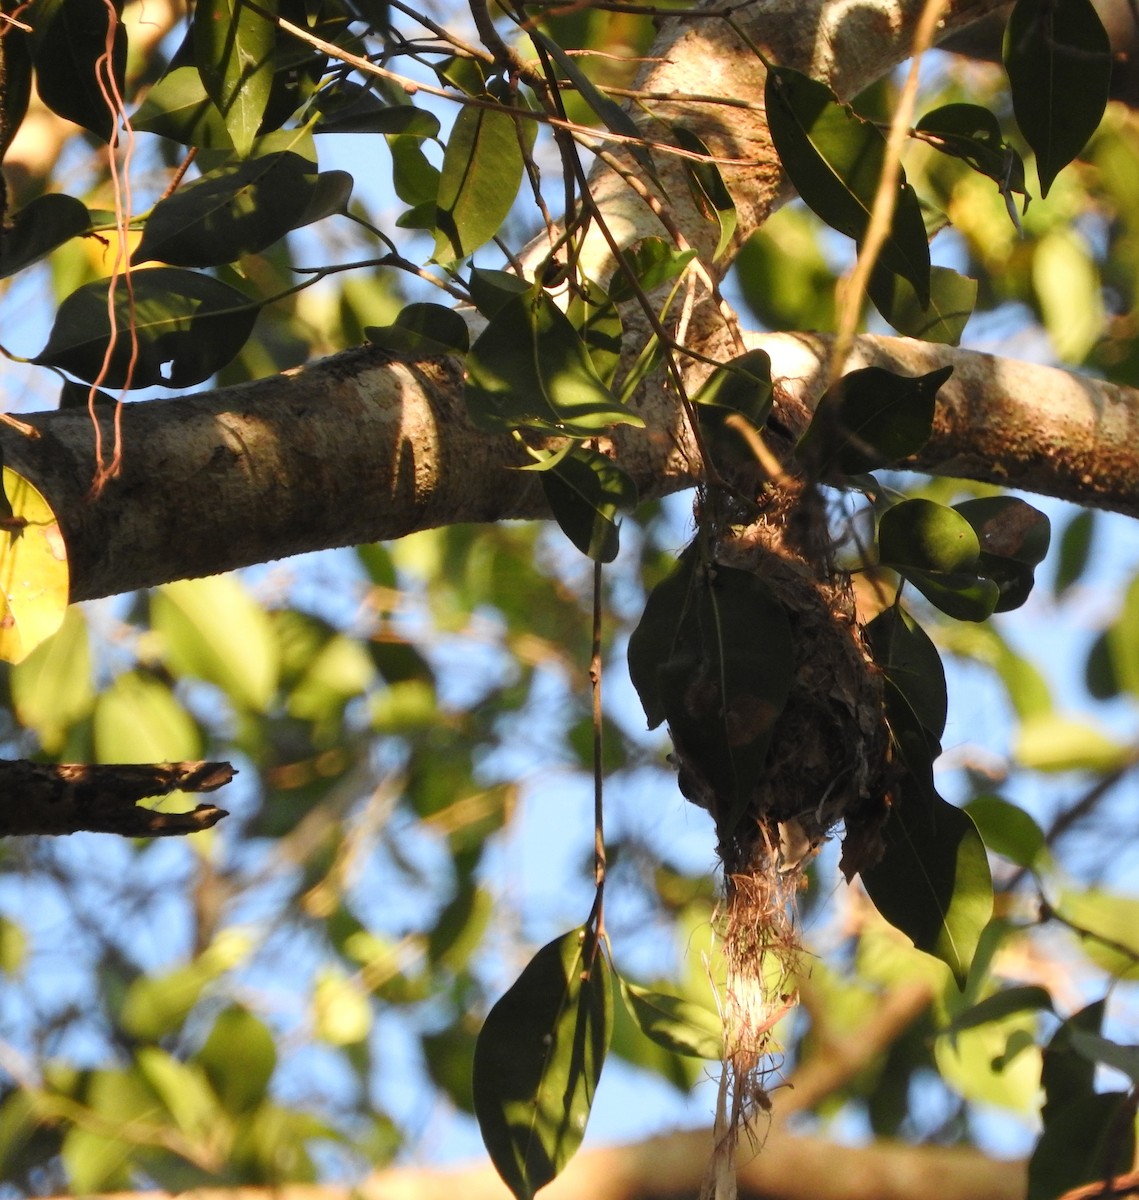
(295, 995)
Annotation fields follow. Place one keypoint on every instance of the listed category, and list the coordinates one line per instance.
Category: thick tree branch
(72, 797)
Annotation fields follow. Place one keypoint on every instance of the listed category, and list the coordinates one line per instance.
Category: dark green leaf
(903, 650)
(741, 386)
(490, 290)
(1058, 59)
(679, 1025)
(240, 208)
(709, 193)
(1086, 1141)
(952, 298)
(610, 113)
(529, 368)
(188, 326)
(234, 49)
(1074, 551)
(1066, 1075)
(177, 107)
(538, 1059)
(972, 133)
(357, 109)
(482, 168)
(933, 880)
(835, 161)
(422, 331)
(38, 228)
(331, 194)
(1102, 1050)
(69, 38)
(868, 419)
(961, 595)
(653, 262)
(996, 1007)
(585, 490)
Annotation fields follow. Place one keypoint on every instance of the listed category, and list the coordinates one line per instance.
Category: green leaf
(585, 490)
(903, 650)
(1123, 642)
(212, 629)
(742, 385)
(1102, 1050)
(1058, 58)
(1006, 829)
(490, 290)
(69, 39)
(353, 108)
(971, 133)
(933, 880)
(960, 595)
(414, 178)
(869, 419)
(596, 318)
(835, 161)
(1066, 1075)
(655, 640)
(927, 536)
(240, 208)
(422, 330)
(188, 326)
(482, 168)
(651, 263)
(1029, 998)
(239, 1058)
(709, 192)
(952, 298)
(139, 719)
(1108, 928)
(529, 368)
(1074, 551)
(1083, 1143)
(538, 1059)
(677, 1024)
(1051, 741)
(178, 108)
(52, 688)
(234, 48)
(17, 89)
(38, 228)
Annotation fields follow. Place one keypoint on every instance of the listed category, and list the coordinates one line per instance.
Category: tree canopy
(654, 378)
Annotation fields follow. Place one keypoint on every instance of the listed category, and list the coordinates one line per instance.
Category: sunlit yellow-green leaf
(34, 578)
(52, 688)
(1050, 741)
(342, 1013)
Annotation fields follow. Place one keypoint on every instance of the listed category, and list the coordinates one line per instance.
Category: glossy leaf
(188, 326)
(178, 107)
(538, 1059)
(1058, 59)
(871, 418)
(835, 160)
(414, 178)
(69, 39)
(234, 48)
(482, 168)
(422, 330)
(586, 490)
(903, 650)
(357, 109)
(933, 881)
(38, 228)
(952, 298)
(741, 386)
(652, 263)
(240, 208)
(596, 318)
(971, 133)
(1028, 998)
(34, 575)
(926, 536)
(490, 290)
(529, 368)
(709, 192)
(961, 595)
(677, 1024)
